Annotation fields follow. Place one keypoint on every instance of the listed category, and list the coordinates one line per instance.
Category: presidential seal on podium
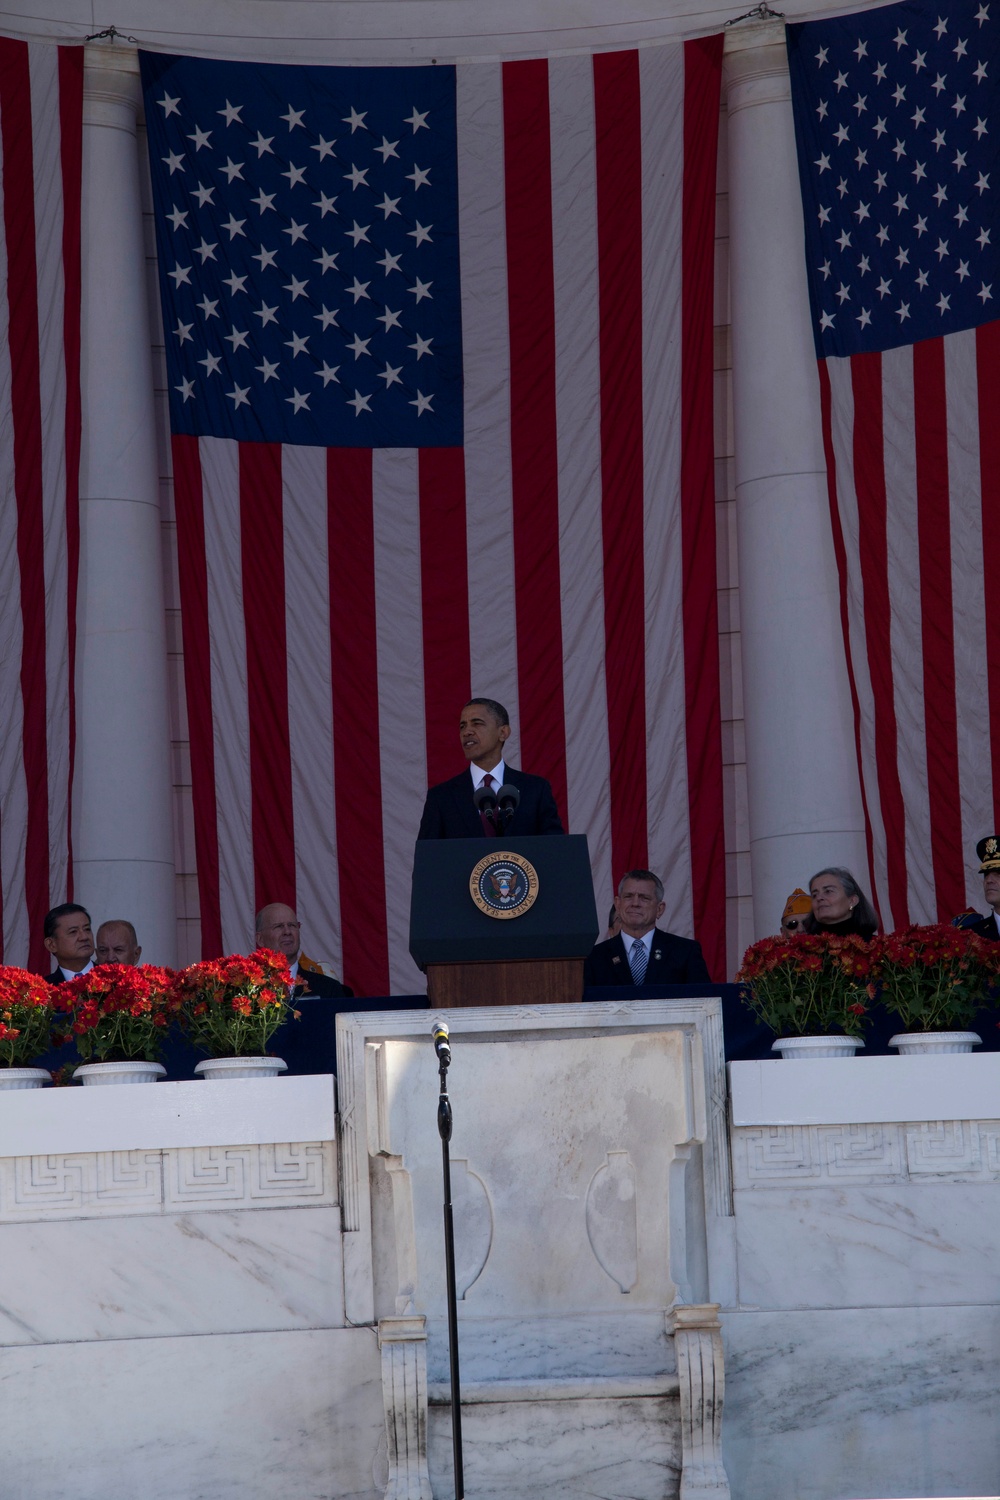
(504, 884)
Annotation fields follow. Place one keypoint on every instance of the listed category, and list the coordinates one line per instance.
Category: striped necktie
(637, 960)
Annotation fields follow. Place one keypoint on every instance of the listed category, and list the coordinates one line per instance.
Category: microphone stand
(444, 1130)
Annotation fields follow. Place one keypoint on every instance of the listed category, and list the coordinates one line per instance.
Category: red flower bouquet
(27, 1004)
(233, 1006)
(934, 978)
(120, 1012)
(808, 986)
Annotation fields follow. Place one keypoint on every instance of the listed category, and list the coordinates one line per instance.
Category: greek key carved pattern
(853, 1151)
(773, 1151)
(293, 1174)
(776, 1155)
(113, 1184)
(943, 1147)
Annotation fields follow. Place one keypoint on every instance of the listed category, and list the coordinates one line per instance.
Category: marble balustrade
(780, 1290)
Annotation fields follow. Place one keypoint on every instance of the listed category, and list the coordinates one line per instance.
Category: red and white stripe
(41, 113)
(339, 607)
(911, 453)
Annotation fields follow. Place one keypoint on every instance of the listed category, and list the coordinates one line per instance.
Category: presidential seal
(504, 884)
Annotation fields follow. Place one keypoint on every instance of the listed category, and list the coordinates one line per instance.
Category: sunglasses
(793, 924)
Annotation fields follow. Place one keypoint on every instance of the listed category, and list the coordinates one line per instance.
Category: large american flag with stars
(308, 251)
(898, 134)
(439, 365)
(899, 158)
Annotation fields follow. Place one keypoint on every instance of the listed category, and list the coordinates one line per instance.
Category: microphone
(508, 798)
(485, 799)
(439, 1031)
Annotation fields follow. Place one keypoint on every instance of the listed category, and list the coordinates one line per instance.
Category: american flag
(41, 119)
(898, 138)
(438, 349)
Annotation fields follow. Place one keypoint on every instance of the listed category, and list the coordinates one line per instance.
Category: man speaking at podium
(467, 807)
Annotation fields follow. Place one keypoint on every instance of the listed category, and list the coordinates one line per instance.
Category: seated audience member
(643, 953)
(277, 928)
(449, 809)
(117, 943)
(839, 905)
(68, 937)
(797, 908)
(614, 923)
(988, 850)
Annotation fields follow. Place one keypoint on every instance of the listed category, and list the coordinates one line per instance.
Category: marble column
(804, 792)
(698, 1345)
(123, 834)
(403, 1342)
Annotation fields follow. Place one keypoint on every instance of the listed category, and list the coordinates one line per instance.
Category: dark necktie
(489, 828)
(637, 960)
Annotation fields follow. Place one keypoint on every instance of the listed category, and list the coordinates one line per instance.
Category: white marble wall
(221, 1417)
(249, 1309)
(588, 1162)
(172, 1320)
(863, 1349)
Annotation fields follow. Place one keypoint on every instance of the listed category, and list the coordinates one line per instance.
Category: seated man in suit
(117, 943)
(642, 953)
(277, 928)
(68, 937)
(988, 850)
(449, 811)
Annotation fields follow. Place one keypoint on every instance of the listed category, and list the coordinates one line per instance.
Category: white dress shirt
(498, 772)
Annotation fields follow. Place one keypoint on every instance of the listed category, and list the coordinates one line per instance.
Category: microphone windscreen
(484, 796)
(508, 796)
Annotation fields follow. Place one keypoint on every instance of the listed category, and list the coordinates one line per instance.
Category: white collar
(75, 973)
(646, 940)
(499, 774)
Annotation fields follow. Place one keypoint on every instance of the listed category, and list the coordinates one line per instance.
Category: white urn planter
(119, 1072)
(214, 1068)
(24, 1078)
(817, 1046)
(918, 1043)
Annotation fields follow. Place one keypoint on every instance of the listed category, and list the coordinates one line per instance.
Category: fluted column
(698, 1345)
(403, 1342)
(804, 794)
(123, 839)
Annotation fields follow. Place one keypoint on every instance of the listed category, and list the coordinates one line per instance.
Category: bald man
(117, 943)
(277, 927)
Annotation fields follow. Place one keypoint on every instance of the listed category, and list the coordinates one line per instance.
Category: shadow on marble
(618, 1449)
(886, 1402)
(265, 1416)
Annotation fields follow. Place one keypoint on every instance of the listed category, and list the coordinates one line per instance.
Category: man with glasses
(797, 908)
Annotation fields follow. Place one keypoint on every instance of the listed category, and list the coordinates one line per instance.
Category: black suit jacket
(321, 986)
(986, 927)
(450, 813)
(672, 960)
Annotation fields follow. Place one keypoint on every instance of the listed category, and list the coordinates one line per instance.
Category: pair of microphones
(497, 806)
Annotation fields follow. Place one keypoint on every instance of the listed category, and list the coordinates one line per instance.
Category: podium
(522, 938)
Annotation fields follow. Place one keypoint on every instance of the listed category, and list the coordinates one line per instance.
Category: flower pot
(817, 1046)
(214, 1068)
(119, 1072)
(24, 1078)
(917, 1043)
